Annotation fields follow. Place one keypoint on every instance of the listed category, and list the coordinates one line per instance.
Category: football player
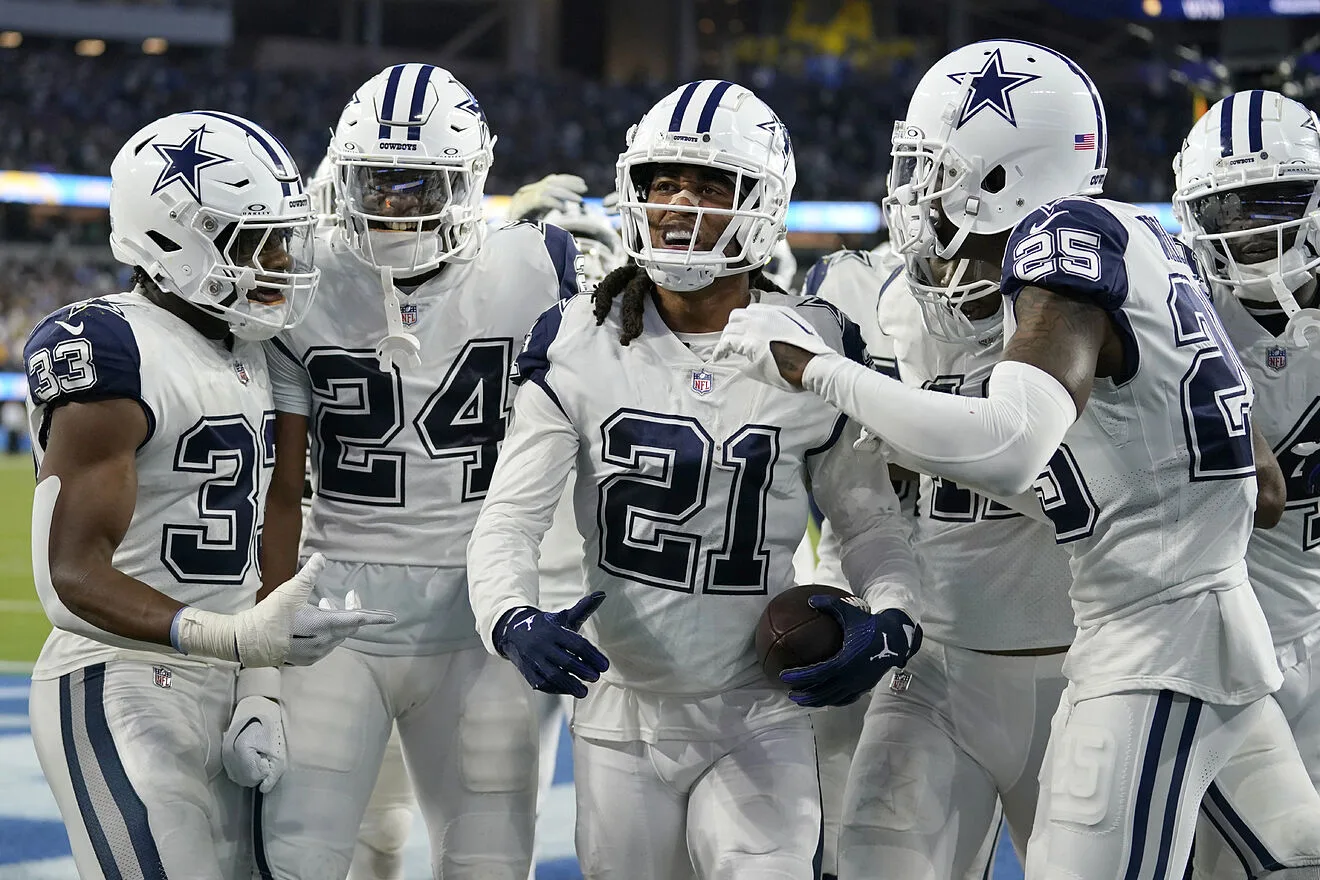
(691, 494)
(1248, 198)
(965, 728)
(401, 380)
(151, 418)
(1120, 401)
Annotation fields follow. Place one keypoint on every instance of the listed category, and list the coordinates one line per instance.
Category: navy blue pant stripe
(1232, 844)
(676, 121)
(1254, 120)
(100, 845)
(391, 92)
(1176, 782)
(712, 104)
(116, 778)
(259, 839)
(1226, 127)
(419, 100)
(1239, 826)
(818, 860)
(1150, 766)
(990, 857)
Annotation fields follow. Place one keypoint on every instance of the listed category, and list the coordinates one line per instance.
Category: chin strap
(398, 343)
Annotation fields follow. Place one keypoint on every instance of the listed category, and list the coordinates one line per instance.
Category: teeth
(678, 237)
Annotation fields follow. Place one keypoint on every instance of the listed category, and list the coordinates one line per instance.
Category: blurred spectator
(35, 285)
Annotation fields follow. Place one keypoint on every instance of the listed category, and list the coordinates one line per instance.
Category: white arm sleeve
(1026, 503)
(853, 489)
(997, 444)
(829, 567)
(503, 553)
(290, 385)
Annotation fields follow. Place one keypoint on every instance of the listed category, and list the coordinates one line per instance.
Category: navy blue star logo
(471, 106)
(184, 162)
(774, 127)
(990, 87)
(1310, 123)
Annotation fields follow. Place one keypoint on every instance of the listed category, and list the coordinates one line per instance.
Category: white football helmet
(321, 187)
(411, 153)
(212, 208)
(1248, 196)
(720, 125)
(994, 130)
(596, 239)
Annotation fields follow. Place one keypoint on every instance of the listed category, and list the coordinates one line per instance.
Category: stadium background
(560, 82)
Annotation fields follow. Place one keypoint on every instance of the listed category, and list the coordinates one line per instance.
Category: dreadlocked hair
(635, 285)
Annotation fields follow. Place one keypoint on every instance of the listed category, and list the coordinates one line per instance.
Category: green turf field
(23, 626)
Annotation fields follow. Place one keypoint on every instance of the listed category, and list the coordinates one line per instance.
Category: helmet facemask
(755, 223)
(1261, 241)
(412, 216)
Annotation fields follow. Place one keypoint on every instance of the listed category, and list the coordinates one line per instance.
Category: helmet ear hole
(166, 244)
(995, 180)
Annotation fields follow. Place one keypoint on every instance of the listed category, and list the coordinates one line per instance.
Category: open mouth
(265, 297)
(676, 238)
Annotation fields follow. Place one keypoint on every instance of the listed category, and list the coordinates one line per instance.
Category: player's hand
(873, 644)
(546, 647)
(282, 628)
(770, 343)
(253, 748)
(554, 192)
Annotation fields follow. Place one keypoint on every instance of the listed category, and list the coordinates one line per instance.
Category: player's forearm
(109, 606)
(280, 534)
(998, 444)
(870, 533)
(502, 568)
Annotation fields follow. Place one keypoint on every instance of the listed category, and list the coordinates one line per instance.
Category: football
(791, 633)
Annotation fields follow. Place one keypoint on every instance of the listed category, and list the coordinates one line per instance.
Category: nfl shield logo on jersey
(408, 314)
(241, 371)
(1276, 357)
(162, 676)
(702, 381)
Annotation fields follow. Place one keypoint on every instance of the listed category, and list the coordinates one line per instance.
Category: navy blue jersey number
(359, 411)
(220, 546)
(642, 512)
(1299, 459)
(1065, 498)
(1215, 400)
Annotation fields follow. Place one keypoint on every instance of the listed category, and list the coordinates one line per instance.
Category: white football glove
(282, 628)
(253, 747)
(554, 192)
(746, 341)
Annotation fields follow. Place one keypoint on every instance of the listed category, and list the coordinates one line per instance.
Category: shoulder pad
(85, 351)
(1074, 247)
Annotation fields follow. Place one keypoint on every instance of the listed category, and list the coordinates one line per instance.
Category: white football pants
(469, 738)
(940, 751)
(1258, 816)
(387, 821)
(131, 750)
(838, 728)
(1124, 777)
(742, 809)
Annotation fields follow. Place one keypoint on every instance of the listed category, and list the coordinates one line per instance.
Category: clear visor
(1246, 235)
(387, 194)
(265, 279)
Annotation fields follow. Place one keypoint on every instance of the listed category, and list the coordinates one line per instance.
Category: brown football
(791, 633)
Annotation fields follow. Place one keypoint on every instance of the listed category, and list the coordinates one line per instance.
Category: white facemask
(401, 250)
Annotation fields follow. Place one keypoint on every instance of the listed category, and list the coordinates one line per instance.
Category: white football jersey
(691, 494)
(854, 281)
(992, 579)
(203, 470)
(401, 459)
(1153, 488)
(1284, 562)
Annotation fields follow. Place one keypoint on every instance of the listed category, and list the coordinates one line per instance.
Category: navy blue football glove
(546, 647)
(873, 644)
